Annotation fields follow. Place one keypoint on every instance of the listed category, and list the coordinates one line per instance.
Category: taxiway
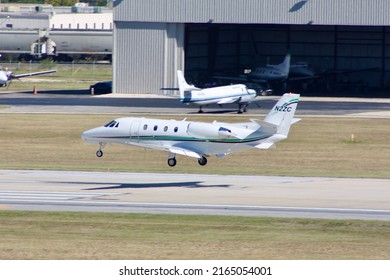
(22, 102)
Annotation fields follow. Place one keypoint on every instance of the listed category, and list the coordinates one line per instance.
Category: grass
(67, 235)
(67, 77)
(315, 147)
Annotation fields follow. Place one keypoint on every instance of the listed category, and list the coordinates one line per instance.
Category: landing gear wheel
(171, 162)
(202, 161)
(99, 153)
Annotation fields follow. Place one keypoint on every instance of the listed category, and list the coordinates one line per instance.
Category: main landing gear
(242, 108)
(202, 161)
(172, 161)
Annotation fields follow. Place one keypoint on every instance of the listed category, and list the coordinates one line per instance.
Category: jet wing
(243, 79)
(232, 78)
(184, 152)
(228, 100)
(13, 76)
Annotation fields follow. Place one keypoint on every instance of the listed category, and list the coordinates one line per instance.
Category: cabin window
(176, 129)
(155, 127)
(145, 126)
(165, 128)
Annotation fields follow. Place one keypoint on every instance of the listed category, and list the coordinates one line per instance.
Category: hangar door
(348, 60)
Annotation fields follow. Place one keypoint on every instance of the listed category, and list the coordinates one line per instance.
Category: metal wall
(146, 56)
(315, 31)
(82, 21)
(320, 12)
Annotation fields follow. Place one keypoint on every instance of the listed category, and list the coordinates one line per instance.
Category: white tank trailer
(62, 45)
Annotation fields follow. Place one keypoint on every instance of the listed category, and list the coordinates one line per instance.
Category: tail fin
(282, 114)
(183, 85)
(285, 65)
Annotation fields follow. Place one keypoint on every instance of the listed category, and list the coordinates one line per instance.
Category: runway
(160, 193)
(190, 193)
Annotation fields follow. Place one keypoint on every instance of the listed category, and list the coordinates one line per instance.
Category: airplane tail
(184, 87)
(285, 65)
(282, 114)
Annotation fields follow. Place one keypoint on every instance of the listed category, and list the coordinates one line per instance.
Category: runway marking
(47, 196)
(202, 209)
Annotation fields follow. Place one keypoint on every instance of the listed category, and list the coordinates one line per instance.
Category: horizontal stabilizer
(265, 145)
(295, 120)
(270, 142)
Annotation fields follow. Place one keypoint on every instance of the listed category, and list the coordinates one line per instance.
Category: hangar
(347, 42)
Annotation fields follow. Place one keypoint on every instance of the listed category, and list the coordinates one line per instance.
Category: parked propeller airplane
(7, 76)
(198, 139)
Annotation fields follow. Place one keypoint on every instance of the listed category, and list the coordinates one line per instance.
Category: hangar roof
(318, 12)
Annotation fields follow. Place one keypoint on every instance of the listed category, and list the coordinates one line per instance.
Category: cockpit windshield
(112, 123)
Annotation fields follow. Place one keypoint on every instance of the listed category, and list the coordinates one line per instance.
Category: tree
(62, 2)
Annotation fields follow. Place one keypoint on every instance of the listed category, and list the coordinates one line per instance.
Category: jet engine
(209, 131)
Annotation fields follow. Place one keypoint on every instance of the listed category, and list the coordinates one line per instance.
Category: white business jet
(271, 72)
(7, 76)
(191, 95)
(198, 139)
(264, 74)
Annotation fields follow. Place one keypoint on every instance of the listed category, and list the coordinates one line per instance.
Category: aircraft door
(134, 130)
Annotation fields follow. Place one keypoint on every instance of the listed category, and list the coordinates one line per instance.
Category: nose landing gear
(99, 152)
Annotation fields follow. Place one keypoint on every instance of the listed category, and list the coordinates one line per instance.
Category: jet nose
(94, 135)
(87, 135)
(251, 91)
